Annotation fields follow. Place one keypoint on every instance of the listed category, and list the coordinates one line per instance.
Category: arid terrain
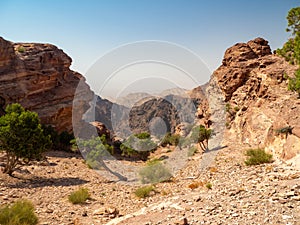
(265, 194)
(246, 102)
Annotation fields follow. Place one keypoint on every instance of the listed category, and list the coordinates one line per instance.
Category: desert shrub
(19, 213)
(143, 135)
(294, 83)
(201, 135)
(21, 49)
(154, 172)
(144, 192)
(60, 141)
(257, 156)
(192, 151)
(65, 139)
(95, 150)
(208, 186)
(138, 145)
(79, 196)
(21, 136)
(170, 139)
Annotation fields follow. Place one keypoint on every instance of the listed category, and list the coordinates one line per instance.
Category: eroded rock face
(255, 89)
(38, 77)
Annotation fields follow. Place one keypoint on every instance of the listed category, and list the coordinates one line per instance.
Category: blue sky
(86, 30)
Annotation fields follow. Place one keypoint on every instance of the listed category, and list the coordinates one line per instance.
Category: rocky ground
(265, 194)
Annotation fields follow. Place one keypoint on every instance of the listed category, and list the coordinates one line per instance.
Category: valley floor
(265, 194)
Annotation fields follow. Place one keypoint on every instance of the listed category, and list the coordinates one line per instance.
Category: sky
(89, 30)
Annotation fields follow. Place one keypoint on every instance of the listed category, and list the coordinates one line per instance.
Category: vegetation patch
(60, 141)
(170, 139)
(138, 145)
(21, 137)
(144, 192)
(201, 135)
(208, 186)
(79, 196)
(19, 213)
(257, 157)
(154, 172)
(21, 49)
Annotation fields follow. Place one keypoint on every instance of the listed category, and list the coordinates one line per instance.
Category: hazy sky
(87, 30)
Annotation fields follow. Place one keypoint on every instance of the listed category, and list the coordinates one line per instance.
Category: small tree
(293, 18)
(201, 135)
(21, 136)
(291, 49)
(294, 83)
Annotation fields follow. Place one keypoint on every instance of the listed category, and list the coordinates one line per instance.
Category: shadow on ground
(44, 182)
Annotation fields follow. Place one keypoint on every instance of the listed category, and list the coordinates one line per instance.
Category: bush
(143, 135)
(95, 150)
(208, 186)
(257, 156)
(21, 49)
(19, 213)
(60, 141)
(154, 172)
(294, 83)
(201, 135)
(170, 139)
(21, 136)
(79, 196)
(138, 145)
(144, 192)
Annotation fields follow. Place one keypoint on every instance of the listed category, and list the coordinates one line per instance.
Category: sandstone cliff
(38, 77)
(258, 104)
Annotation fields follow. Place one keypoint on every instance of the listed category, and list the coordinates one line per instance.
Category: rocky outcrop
(160, 115)
(38, 77)
(258, 104)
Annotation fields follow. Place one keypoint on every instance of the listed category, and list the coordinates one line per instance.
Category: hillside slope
(258, 104)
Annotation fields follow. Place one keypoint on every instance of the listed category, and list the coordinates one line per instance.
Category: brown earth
(266, 194)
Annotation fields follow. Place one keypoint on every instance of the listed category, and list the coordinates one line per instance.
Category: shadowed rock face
(38, 77)
(141, 115)
(253, 83)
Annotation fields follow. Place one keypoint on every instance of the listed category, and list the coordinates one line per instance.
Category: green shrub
(79, 196)
(154, 172)
(201, 135)
(144, 192)
(95, 150)
(170, 139)
(143, 135)
(294, 83)
(60, 141)
(21, 137)
(138, 145)
(208, 186)
(19, 213)
(257, 156)
(21, 49)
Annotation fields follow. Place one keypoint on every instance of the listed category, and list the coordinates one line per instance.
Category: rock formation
(258, 104)
(38, 77)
